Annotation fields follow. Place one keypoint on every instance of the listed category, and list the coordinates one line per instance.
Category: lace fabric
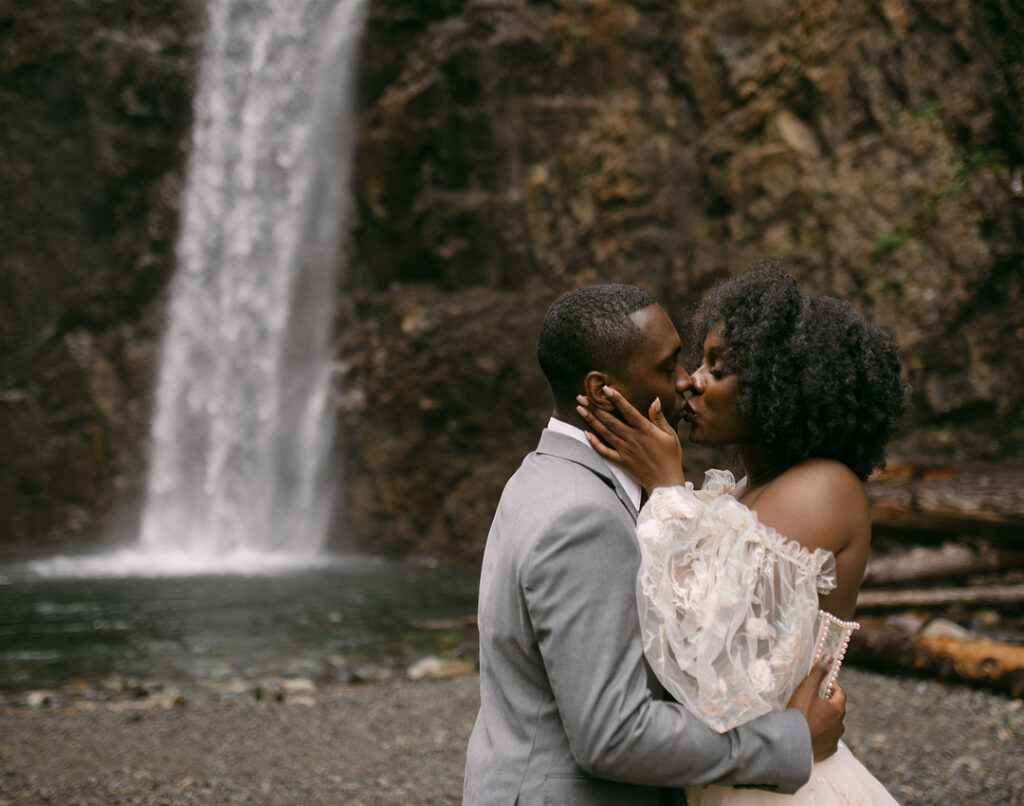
(728, 606)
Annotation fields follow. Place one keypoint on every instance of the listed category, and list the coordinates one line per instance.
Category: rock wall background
(95, 114)
(509, 151)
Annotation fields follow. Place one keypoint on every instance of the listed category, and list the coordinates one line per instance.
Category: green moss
(888, 241)
(710, 226)
(926, 110)
(811, 239)
(566, 40)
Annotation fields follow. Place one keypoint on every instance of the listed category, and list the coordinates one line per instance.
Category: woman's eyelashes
(715, 369)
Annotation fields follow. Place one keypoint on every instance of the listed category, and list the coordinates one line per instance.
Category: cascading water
(241, 436)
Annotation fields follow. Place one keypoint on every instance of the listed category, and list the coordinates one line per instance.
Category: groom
(569, 711)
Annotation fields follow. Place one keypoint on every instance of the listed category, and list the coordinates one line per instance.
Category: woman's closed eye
(716, 370)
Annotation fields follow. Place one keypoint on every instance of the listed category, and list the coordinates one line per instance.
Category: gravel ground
(404, 743)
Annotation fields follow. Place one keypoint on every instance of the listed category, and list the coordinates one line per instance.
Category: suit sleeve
(579, 583)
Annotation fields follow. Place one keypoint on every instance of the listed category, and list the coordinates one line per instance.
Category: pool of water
(313, 622)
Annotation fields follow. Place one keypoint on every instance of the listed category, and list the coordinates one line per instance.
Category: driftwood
(980, 661)
(940, 597)
(952, 559)
(945, 500)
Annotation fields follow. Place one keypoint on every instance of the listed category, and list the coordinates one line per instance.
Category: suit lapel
(572, 450)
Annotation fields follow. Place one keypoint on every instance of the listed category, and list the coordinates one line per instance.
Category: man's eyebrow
(673, 355)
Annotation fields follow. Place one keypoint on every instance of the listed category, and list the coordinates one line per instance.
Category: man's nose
(684, 382)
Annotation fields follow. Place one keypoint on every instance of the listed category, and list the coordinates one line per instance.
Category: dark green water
(317, 622)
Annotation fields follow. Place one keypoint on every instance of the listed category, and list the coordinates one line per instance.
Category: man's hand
(824, 717)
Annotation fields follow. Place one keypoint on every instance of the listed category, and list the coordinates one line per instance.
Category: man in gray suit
(569, 711)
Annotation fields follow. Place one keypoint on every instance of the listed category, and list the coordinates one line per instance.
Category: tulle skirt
(839, 780)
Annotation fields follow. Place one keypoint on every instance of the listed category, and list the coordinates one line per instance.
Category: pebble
(436, 668)
(38, 699)
(930, 743)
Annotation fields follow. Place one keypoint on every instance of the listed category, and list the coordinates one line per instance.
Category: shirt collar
(629, 485)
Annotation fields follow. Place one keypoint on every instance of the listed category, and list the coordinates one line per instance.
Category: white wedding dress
(731, 625)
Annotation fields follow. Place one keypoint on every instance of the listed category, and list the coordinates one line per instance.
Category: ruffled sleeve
(728, 606)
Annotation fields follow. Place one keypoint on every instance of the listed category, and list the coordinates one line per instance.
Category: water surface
(319, 622)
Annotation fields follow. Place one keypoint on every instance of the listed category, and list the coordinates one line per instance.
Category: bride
(742, 585)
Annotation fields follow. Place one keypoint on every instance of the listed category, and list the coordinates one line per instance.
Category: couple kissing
(645, 642)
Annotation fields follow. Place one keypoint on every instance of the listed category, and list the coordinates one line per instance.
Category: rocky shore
(404, 742)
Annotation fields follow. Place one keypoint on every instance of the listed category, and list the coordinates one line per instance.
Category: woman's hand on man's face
(647, 449)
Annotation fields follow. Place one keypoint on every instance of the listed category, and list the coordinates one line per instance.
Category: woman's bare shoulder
(820, 503)
(821, 475)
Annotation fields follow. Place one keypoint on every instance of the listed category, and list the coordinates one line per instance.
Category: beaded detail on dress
(833, 639)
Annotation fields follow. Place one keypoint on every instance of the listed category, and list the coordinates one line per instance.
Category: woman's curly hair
(815, 377)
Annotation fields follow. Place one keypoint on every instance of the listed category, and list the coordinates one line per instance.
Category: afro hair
(815, 377)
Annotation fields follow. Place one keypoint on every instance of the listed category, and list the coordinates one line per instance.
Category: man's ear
(593, 387)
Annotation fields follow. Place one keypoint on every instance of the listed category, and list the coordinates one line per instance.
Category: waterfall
(242, 428)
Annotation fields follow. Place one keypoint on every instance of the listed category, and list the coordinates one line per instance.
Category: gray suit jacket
(569, 711)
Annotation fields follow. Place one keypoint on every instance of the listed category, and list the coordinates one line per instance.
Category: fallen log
(973, 499)
(951, 559)
(938, 597)
(980, 661)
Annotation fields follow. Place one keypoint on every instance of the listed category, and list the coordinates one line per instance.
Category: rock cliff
(95, 104)
(511, 150)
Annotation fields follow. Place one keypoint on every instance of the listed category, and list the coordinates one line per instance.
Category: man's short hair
(586, 329)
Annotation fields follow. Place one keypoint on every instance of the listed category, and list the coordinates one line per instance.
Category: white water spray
(239, 476)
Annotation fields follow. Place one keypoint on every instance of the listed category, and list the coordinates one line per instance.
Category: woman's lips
(688, 413)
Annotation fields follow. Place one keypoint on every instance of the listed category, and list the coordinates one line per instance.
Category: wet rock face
(509, 151)
(96, 112)
(513, 150)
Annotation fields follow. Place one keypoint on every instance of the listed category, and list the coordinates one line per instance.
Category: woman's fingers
(602, 448)
(603, 437)
(657, 416)
(649, 451)
(602, 423)
(626, 409)
(626, 424)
